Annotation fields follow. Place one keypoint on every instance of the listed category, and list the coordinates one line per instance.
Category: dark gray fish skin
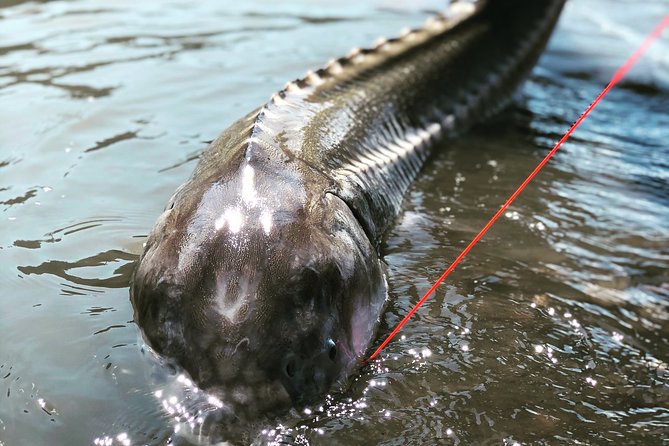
(262, 278)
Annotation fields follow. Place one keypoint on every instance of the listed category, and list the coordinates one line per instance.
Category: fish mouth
(224, 413)
(235, 412)
(244, 402)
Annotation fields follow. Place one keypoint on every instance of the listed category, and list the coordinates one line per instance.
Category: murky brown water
(555, 330)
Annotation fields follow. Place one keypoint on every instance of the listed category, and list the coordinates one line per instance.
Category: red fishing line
(622, 71)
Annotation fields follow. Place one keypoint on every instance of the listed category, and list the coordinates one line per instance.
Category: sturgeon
(263, 277)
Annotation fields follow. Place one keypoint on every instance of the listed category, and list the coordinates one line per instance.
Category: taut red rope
(617, 76)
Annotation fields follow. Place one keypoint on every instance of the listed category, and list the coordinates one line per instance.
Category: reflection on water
(119, 279)
(555, 329)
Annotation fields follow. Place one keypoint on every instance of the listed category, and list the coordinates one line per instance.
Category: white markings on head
(233, 295)
(230, 217)
(250, 207)
(220, 222)
(266, 221)
(234, 220)
(249, 195)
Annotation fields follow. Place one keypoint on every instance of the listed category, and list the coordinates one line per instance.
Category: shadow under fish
(263, 278)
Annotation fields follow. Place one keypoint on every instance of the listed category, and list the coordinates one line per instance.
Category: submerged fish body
(262, 278)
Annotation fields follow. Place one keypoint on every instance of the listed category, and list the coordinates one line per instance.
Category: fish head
(267, 295)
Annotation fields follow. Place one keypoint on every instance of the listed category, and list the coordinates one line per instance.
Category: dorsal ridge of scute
(454, 14)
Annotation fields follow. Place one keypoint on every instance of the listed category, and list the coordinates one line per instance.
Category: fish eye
(291, 368)
(332, 351)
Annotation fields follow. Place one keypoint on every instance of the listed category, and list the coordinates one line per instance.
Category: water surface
(554, 330)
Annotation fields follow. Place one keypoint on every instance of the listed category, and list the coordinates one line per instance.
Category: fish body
(263, 277)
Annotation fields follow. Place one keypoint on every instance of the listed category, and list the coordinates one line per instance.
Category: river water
(555, 329)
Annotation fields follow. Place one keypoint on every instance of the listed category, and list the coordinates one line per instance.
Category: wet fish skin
(263, 276)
